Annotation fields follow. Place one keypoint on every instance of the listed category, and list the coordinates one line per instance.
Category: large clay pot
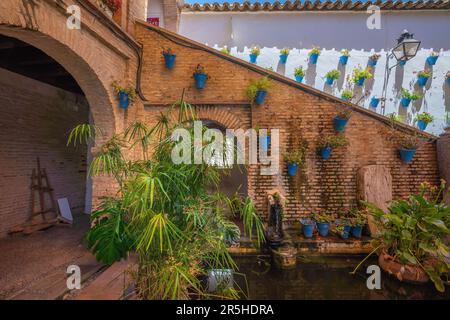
(403, 272)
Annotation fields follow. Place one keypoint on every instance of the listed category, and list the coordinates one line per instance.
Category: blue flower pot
(343, 60)
(345, 98)
(372, 62)
(308, 227)
(431, 60)
(405, 102)
(360, 81)
(292, 169)
(421, 80)
(313, 58)
(339, 124)
(323, 228)
(422, 125)
(124, 100)
(253, 57)
(200, 80)
(402, 63)
(407, 155)
(374, 102)
(448, 80)
(357, 231)
(283, 58)
(264, 142)
(170, 60)
(299, 78)
(326, 153)
(329, 81)
(260, 96)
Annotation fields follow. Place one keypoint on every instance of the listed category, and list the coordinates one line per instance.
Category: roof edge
(277, 77)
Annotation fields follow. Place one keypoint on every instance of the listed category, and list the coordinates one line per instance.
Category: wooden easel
(41, 186)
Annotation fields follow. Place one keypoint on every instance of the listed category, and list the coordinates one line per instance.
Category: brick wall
(35, 119)
(299, 113)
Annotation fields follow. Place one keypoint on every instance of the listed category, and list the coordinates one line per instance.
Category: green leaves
(160, 233)
(82, 133)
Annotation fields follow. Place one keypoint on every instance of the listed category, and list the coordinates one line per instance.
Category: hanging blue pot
(343, 60)
(313, 58)
(402, 63)
(124, 100)
(360, 81)
(283, 58)
(431, 60)
(339, 124)
(326, 152)
(170, 60)
(260, 96)
(372, 62)
(357, 231)
(292, 169)
(200, 80)
(308, 227)
(374, 102)
(405, 102)
(329, 81)
(422, 125)
(253, 57)
(422, 80)
(299, 78)
(323, 228)
(407, 155)
(264, 142)
(345, 98)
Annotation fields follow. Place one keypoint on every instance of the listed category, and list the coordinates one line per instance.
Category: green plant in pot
(257, 90)
(358, 219)
(299, 74)
(254, 53)
(413, 241)
(225, 50)
(341, 119)
(360, 75)
(323, 223)
(127, 95)
(294, 160)
(408, 96)
(408, 147)
(332, 75)
(347, 95)
(326, 144)
(423, 119)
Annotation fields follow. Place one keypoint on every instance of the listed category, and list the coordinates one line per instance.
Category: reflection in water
(324, 277)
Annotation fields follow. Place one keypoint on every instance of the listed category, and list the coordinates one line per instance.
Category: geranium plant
(410, 95)
(299, 72)
(425, 117)
(130, 91)
(347, 94)
(359, 75)
(255, 50)
(258, 89)
(314, 51)
(333, 74)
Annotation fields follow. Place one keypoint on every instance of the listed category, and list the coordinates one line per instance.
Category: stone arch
(224, 116)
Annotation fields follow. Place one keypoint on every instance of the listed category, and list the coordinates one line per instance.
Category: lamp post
(405, 50)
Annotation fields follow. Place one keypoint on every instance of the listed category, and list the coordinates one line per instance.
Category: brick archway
(228, 117)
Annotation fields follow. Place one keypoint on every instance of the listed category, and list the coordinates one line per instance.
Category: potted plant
(307, 226)
(374, 101)
(357, 221)
(447, 76)
(299, 74)
(413, 240)
(327, 143)
(423, 119)
(343, 59)
(323, 223)
(332, 75)
(284, 55)
(200, 76)
(225, 50)
(422, 77)
(342, 231)
(341, 119)
(257, 90)
(407, 97)
(432, 58)
(169, 57)
(360, 75)
(314, 54)
(373, 59)
(294, 159)
(408, 148)
(126, 95)
(347, 94)
(254, 53)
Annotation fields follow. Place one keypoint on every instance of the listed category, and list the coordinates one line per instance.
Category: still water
(323, 277)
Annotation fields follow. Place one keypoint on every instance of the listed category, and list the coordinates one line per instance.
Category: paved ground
(34, 266)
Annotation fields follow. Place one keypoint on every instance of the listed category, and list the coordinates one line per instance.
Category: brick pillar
(443, 153)
(172, 11)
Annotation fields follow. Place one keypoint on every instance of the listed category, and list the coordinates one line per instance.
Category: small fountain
(283, 252)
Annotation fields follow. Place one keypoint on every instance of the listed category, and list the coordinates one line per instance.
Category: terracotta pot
(403, 272)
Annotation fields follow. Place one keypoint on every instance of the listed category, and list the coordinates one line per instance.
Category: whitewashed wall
(333, 32)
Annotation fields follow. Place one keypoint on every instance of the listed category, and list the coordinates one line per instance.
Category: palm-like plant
(165, 212)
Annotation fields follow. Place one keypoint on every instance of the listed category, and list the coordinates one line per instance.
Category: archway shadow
(417, 104)
(398, 80)
(281, 68)
(446, 94)
(311, 74)
(340, 82)
(327, 88)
